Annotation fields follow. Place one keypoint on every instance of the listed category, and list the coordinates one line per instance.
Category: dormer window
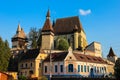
(70, 57)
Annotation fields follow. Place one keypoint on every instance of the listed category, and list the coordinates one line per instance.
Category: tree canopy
(34, 38)
(117, 68)
(62, 44)
(4, 54)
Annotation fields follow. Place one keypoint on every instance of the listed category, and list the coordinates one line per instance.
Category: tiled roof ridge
(67, 17)
(89, 58)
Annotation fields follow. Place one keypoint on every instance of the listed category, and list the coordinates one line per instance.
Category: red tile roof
(67, 25)
(47, 25)
(111, 53)
(88, 58)
(56, 56)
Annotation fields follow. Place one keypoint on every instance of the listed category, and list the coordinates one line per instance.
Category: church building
(80, 60)
(70, 28)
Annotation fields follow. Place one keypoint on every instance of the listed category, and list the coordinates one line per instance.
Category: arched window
(70, 68)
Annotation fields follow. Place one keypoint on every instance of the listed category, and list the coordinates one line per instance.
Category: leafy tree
(4, 54)
(39, 40)
(117, 68)
(34, 38)
(62, 44)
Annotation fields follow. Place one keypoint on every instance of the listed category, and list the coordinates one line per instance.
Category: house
(30, 63)
(73, 63)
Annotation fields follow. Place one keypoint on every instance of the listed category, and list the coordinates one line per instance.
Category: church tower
(111, 56)
(47, 34)
(19, 40)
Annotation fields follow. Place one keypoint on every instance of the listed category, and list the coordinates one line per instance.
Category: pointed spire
(18, 29)
(47, 25)
(48, 14)
(111, 53)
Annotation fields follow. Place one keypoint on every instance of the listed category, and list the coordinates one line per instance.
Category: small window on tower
(70, 57)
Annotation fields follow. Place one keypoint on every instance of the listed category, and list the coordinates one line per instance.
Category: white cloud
(84, 12)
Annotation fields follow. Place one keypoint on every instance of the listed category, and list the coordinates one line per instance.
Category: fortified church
(81, 59)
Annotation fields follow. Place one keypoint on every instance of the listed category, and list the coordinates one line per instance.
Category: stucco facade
(79, 67)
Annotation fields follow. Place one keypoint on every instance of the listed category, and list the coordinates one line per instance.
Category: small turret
(19, 40)
(111, 56)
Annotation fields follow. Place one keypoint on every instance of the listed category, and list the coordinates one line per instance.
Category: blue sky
(100, 18)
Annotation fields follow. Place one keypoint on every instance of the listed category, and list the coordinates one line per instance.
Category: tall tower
(47, 34)
(19, 40)
(111, 56)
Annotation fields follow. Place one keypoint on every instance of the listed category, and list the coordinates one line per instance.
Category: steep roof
(47, 25)
(111, 53)
(88, 58)
(30, 54)
(19, 33)
(56, 56)
(67, 25)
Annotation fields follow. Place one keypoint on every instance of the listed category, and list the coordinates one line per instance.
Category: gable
(70, 56)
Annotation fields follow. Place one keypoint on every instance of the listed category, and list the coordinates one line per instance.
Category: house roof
(56, 56)
(111, 53)
(30, 54)
(67, 25)
(47, 25)
(80, 57)
(19, 33)
(88, 58)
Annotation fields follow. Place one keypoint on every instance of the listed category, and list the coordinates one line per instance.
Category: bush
(22, 78)
(62, 44)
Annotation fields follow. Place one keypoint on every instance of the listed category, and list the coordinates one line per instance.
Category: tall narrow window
(100, 70)
(55, 43)
(87, 68)
(81, 68)
(45, 69)
(21, 65)
(55, 68)
(70, 68)
(84, 68)
(95, 69)
(31, 64)
(26, 65)
(78, 68)
(61, 68)
(105, 69)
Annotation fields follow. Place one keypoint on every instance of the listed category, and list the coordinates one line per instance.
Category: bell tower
(47, 34)
(19, 40)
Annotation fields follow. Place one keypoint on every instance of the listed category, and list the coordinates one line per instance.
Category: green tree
(62, 44)
(33, 35)
(117, 68)
(34, 38)
(39, 40)
(4, 54)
